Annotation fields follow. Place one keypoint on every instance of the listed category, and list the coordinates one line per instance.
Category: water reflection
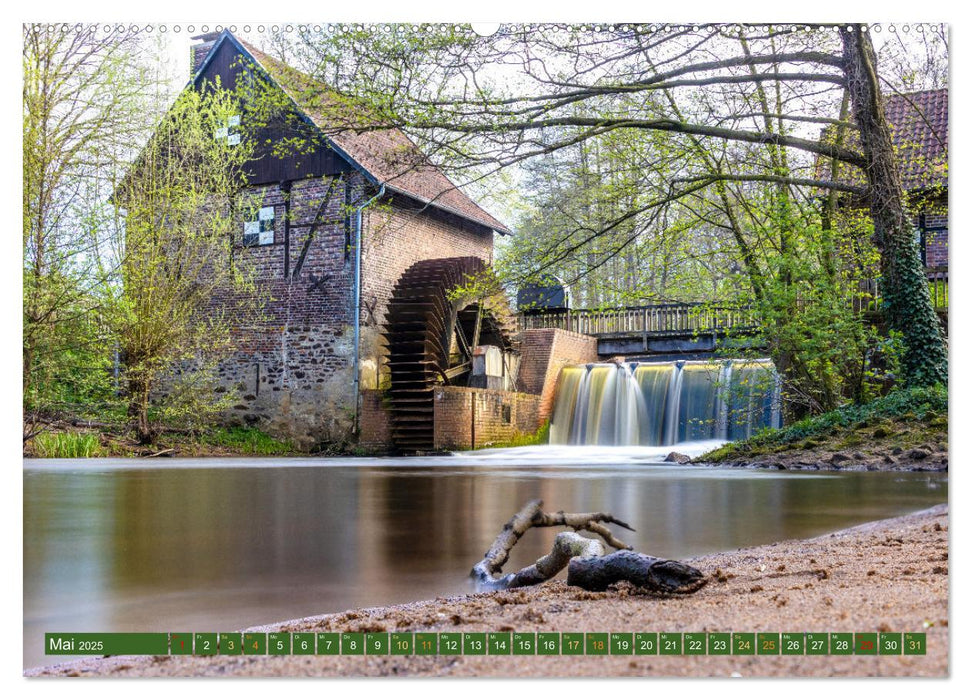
(210, 549)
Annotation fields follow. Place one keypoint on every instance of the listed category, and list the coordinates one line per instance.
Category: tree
(482, 104)
(181, 207)
(81, 113)
(909, 308)
(580, 224)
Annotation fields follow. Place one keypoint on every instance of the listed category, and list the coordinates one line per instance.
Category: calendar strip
(489, 643)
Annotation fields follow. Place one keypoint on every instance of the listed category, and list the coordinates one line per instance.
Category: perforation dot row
(428, 28)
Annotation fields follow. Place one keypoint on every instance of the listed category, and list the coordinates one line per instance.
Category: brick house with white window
(299, 367)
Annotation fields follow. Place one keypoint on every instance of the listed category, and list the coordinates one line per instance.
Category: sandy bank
(890, 575)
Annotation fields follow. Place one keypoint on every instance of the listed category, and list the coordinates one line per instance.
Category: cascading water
(663, 403)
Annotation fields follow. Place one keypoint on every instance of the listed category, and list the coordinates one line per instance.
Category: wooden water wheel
(430, 334)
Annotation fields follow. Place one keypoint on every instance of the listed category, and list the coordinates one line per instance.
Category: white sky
(178, 35)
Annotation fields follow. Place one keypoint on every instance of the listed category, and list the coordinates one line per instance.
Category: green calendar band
(110, 643)
(487, 643)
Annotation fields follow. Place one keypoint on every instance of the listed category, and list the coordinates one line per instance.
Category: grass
(249, 441)
(120, 443)
(66, 445)
(914, 409)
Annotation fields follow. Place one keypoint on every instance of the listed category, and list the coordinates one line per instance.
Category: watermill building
(339, 228)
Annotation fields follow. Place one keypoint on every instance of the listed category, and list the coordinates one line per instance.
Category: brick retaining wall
(466, 417)
(545, 351)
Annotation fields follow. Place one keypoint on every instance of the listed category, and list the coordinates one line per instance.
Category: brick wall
(466, 417)
(291, 369)
(927, 212)
(375, 433)
(545, 351)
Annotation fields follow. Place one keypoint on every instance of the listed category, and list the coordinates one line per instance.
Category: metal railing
(677, 318)
(658, 318)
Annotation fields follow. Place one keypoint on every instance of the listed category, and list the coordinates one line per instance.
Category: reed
(66, 445)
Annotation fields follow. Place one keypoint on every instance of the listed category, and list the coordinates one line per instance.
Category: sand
(890, 576)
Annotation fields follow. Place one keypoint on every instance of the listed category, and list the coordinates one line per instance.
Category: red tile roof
(919, 124)
(387, 154)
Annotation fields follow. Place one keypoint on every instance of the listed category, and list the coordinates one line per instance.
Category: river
(210, 545)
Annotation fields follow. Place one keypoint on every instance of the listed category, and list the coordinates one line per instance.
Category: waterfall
(723, 411)
(663, 403)
(672, 406)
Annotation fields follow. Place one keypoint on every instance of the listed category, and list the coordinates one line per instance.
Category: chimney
(198, 52)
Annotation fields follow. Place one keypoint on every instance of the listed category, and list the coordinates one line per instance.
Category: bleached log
(486, 572)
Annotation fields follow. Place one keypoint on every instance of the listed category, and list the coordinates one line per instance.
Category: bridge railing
(657, 318)
(699, 317)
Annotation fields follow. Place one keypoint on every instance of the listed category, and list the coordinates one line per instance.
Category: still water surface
(220, 544)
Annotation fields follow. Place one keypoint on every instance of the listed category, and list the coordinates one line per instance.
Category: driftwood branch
(651, 573)
(588, 566)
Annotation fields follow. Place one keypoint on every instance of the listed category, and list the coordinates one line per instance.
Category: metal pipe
(358, 237)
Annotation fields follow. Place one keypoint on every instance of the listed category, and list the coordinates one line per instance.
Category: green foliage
(68, 358)
(117, 268)
(82, 113)
(917, 402)
(806, 304)
(180, 204)
(600, 217)
(924, 361)
(66, 445)
(190, 397)
(883, 366)
(246, 441)
(908, 404)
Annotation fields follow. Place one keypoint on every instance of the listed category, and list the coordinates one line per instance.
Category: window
(260, 231)
(230, 132)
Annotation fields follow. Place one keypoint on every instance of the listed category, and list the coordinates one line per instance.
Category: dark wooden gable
(229, 65)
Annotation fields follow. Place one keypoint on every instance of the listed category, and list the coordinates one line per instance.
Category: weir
(664, 403)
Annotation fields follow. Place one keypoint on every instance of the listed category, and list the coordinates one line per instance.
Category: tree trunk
(597, 573)
(138, 393)
(908, 303)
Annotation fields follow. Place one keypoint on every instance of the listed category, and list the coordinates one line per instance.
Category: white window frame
(262, 228)
(230, 132)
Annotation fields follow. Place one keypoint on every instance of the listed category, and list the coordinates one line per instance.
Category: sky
(177, 36)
